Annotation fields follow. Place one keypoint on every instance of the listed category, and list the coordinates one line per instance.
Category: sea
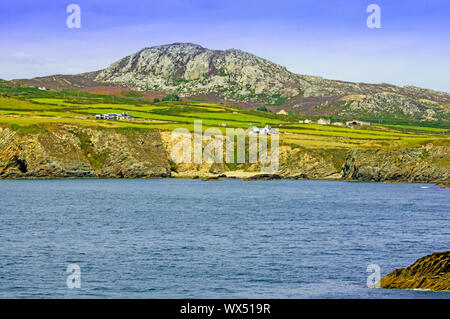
(183, 238)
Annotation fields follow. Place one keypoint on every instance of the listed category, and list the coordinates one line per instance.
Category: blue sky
(321, 37)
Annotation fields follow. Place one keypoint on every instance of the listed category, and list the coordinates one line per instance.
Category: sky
(328, 38)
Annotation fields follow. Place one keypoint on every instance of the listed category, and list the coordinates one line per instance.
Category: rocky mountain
(240, 77)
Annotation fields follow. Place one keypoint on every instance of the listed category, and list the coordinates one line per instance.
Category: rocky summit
(239, 77)
(431, 272)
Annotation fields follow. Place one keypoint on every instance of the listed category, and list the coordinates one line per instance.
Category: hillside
(245, 80)
(54, 133)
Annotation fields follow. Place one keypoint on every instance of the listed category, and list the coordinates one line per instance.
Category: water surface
(172, 238)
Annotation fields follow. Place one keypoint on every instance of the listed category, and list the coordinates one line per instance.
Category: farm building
(114, 116)
(282, 112)
(324, 122)
(267, 130)
(356, 122)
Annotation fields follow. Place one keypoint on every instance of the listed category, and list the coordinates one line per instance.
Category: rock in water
(431, 272)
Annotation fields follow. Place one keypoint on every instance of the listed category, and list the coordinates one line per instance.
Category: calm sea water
(227, 239)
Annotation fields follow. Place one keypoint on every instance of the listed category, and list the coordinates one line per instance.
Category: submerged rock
(263, 177)
(431, 272)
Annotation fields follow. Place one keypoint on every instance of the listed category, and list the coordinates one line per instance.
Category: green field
(420, 128)
(33, 108)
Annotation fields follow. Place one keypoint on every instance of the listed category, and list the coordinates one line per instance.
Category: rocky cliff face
(73, 151)
(431, 272)
(422, 164)
(234, 75)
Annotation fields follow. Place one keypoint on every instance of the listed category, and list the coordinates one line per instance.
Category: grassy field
(33, 110)
(239, 117)
(419, 128)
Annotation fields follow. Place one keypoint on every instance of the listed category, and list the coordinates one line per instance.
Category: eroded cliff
(73, 151)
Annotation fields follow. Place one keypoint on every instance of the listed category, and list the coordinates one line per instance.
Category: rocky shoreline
(69, 151)
(431, 272)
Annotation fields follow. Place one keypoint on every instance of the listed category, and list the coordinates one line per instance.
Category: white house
(267, 130)
(324, 122)
(114, 116)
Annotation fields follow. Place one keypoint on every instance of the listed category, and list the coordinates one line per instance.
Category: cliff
(421, 164)
(74, 151)
(71, 151)
(431, 272)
